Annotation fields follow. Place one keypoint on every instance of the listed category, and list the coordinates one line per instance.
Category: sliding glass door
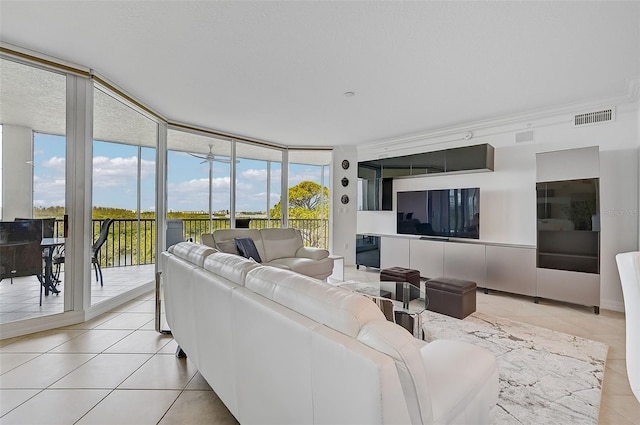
(124, 197)
(309, 195)
(198, 185)
(33, 120)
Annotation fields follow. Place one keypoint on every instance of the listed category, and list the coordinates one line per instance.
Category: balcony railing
(132, 242)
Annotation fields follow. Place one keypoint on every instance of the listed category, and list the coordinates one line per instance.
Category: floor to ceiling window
(123, 197)
(198, 185)
(258, 186)
(49, 152)
(33, 119)
(212, 181)
(309, 195)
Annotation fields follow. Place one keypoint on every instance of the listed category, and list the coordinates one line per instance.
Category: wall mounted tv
(443, 213)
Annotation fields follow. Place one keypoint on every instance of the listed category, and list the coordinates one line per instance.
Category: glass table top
(384, 289)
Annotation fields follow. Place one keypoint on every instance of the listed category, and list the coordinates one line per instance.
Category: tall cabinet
(568, 226)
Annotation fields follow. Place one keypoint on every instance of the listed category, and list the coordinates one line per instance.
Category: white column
(284, 191)
(232, 186)
(343, 217)
(79, 178)
(17, 172)
(161, 191)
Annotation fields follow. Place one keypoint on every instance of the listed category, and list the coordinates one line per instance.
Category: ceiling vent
(524, 136)
(596, 117)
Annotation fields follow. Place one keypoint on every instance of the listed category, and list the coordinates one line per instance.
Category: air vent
(524, 136)
(597, 117)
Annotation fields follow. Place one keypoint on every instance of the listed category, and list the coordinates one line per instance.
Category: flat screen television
(442, 213)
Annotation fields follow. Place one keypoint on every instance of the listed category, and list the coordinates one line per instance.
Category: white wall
(507, 195)
(343, 217)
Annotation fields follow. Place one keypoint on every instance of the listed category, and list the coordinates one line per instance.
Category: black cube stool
(399, 275)
(453, 297)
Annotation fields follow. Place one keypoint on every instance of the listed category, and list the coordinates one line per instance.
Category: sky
(115, 178)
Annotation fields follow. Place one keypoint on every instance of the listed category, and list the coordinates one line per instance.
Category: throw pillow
(247, 248)
(229, 247)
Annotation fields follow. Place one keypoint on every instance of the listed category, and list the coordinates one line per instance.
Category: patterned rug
(546, 377)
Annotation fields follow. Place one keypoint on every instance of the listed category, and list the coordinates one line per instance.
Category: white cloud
(308, 174)
(192, 195)
(119, 172)
(55, 162)
(50, 191)
(253, 174)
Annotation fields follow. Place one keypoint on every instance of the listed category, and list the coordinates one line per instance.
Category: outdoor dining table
(48, 246)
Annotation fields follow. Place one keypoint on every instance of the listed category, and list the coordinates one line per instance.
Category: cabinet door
(511, 269)
(573, 287)
(465, 261)
(394, 252)
(427, 257)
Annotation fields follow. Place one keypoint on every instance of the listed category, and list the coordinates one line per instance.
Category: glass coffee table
(407, 312)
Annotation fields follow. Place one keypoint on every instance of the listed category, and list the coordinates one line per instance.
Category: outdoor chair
(20, 250)
(95, 251)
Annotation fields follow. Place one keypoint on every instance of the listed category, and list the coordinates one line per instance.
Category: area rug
(546, 377)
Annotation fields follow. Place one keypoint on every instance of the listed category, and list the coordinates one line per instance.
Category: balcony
(127, 260)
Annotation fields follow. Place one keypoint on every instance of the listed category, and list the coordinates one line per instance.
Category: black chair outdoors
(48, 230)
(20, 251)
(48, 225)
(95, 251)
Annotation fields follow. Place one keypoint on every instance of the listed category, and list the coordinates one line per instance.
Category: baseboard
(37, 324)
(111, 303)
(612, 305)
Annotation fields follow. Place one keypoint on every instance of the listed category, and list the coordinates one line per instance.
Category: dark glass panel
(368, 251)
(466, 158)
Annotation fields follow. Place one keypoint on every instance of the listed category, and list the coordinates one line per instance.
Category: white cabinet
(427, 257)
(511, 269)
(568, 227)
(569, 286)
(466, 261)
(507, 268)
(394, 252)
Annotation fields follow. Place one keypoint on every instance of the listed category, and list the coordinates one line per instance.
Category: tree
(305, 201)
(308, 201)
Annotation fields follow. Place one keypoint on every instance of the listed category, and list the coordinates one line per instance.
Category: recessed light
(349, 94)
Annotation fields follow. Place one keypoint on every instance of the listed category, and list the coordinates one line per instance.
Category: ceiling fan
(210, 157)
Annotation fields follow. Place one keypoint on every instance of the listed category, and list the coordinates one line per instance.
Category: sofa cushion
(247, 248)
(230, 247)
(396, 342)
(311, 252)
(229, 266)
(305, 266)
(280, 243)
(337, 308)
(207, 239)
(192, 252)
(222, 235)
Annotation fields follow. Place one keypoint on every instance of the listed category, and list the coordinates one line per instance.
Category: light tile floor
(115, 369)
(20, 300)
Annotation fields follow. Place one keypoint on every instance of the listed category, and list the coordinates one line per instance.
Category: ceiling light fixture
(349, 94)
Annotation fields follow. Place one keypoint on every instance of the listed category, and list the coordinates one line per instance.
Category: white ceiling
(277, 70)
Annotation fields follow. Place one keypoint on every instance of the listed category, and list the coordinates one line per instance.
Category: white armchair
(629, 269)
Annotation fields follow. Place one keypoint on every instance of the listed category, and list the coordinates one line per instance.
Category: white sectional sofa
(282, 348)
(282, 248)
